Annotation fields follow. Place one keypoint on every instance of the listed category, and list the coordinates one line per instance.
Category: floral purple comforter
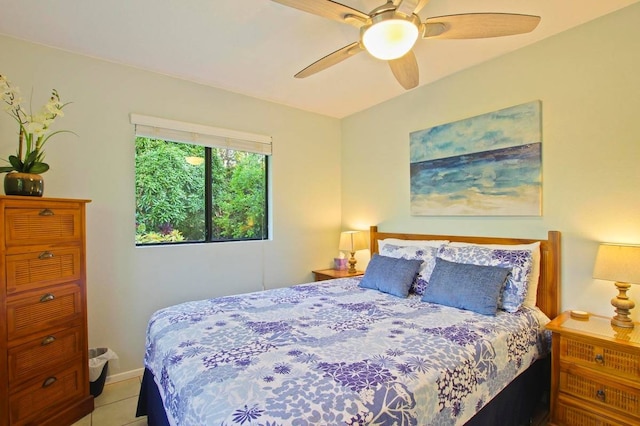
(331, 353)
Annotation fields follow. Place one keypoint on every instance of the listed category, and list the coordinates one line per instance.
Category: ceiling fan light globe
(390, 39)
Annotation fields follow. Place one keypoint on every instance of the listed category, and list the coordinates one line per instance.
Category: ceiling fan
(390, 31)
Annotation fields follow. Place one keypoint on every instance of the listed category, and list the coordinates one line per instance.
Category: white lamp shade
(390, 39)
(620, 263)
(352, 241)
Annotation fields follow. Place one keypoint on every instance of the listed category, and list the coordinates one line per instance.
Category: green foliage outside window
(170, 193)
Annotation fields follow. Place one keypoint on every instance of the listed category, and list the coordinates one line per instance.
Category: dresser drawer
(35, 312)
(572, 413)
(47, 396)
(45, 352)
(601, 392)
(30, 271)
(612, 360)
(41, 225)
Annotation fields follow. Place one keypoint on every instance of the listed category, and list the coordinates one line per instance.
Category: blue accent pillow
(390, 275)
(519, 262)
(466, 286)
(427, 254)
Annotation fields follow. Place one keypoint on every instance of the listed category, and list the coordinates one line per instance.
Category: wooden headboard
(548, 299)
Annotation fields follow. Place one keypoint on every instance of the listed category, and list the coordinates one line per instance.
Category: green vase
(30, 184)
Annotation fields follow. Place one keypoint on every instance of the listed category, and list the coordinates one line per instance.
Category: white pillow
(411, 243)
(532, 288)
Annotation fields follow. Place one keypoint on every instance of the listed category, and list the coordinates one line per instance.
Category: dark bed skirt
(150, 403)
(516, 405)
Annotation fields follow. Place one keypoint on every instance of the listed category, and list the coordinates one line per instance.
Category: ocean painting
(489, 165)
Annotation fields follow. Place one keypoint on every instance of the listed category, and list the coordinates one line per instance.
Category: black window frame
(208, 211)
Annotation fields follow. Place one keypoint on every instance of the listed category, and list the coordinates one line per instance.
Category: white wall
(588, 80)
(126, 284)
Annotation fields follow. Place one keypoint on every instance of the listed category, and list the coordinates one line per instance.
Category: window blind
(199, 134)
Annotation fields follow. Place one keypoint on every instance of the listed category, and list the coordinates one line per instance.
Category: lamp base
(623, 306)
(352, 263)
(622, 322)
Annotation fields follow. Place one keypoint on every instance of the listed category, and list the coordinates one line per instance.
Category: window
(199, 186)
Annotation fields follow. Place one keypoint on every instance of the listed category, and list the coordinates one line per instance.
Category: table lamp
(352, 241)
(619, 263)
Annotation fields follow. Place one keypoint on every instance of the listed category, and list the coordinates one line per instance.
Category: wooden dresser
(595, 372)
(44, 366)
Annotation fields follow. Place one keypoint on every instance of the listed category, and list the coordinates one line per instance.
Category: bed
(339, 353)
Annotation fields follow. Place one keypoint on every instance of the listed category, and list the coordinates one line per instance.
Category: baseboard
(125, 376)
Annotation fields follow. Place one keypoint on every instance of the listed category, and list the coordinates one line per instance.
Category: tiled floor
(116, 406)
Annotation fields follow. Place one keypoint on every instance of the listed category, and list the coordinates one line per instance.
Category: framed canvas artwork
(488, 165)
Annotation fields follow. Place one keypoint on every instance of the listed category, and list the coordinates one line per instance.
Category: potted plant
(24, 169)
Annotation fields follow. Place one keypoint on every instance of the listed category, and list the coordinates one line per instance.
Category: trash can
(98, 367)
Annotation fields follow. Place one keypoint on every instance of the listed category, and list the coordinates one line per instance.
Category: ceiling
(254, 47)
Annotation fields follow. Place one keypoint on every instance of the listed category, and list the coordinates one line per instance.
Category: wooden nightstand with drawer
(44, 360)
(595, 374)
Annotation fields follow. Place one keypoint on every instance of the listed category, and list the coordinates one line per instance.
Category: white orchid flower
(34, 128)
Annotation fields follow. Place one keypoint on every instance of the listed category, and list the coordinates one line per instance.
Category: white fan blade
(405, 69)
(331, 59)
(409, 7)
(479, 25)
(328, 9)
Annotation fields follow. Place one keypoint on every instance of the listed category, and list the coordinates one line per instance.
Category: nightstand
(595, 373)
(329, 274)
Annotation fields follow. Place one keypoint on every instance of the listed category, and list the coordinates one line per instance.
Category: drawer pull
(45, 255)
(47, 298)
(599, 359)
(49, 381)
(600, 395)
(47, 340)
(46, 212)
